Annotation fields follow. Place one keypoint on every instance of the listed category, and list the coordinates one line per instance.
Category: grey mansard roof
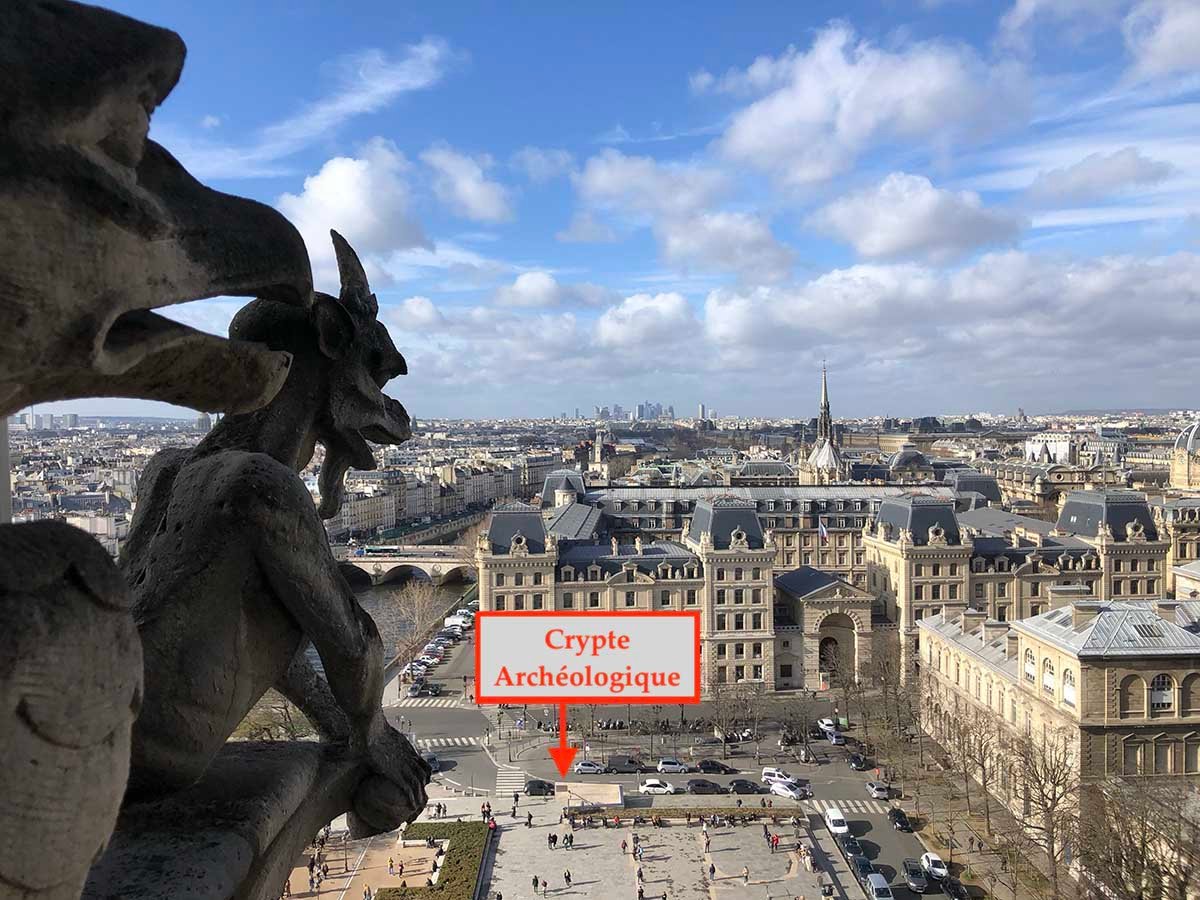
(720, 517)
(964, 480)
(562, 480)
(918, 514)
(509, 519)
(1119, 628)
(575, 521)
(805, 580)
(653, 555)
(1086, 512)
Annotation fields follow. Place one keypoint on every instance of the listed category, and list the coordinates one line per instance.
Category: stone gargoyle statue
(99, 226)
(232, 575)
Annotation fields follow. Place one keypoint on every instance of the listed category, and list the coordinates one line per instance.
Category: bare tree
(1050, 790)
(1140, 838)
(980, 738)
(1013, 847)
(274, 718)
(418, 609)
(724, 705)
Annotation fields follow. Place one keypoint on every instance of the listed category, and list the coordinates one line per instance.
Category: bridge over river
(441, 563)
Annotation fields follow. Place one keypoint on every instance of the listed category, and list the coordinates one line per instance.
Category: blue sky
(962, 206)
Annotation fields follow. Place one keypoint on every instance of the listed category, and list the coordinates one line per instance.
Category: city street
(461, 735)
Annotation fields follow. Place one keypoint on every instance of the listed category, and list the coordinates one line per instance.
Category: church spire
(825, 418)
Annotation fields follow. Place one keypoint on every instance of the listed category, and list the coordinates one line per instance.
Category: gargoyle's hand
(394, 791)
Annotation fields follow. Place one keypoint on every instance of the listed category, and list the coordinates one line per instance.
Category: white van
(772, 775)
(877, 888)
(461, 621)
(836, 822)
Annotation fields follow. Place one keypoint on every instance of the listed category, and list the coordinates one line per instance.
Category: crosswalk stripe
(849, 806)
(428, 702)
(509, 780)
(448, 742)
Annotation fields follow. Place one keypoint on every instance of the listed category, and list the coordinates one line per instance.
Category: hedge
(460, 866)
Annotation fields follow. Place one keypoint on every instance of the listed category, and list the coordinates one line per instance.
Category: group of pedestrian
(772, 841)
(439, 810)
(485, 811)
(394, 869)
(544, 885)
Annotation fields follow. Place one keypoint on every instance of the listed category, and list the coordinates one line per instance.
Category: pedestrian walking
(624, 846)
(567, 877)
(971, 843)
(514, 811)
(536, 882)
(641, 875)
(545, 887)
(745, 875)
(516, 797)
(391, 866)
(400, 870)
(712, 872)
(766, 830)
(528, 820)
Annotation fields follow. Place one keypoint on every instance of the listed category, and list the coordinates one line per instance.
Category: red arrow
(562, 754)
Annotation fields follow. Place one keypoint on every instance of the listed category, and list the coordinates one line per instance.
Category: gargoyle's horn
(355, 290)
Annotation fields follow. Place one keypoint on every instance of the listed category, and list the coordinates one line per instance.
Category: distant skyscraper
(701, 415)
(70, 420)
(204, 423)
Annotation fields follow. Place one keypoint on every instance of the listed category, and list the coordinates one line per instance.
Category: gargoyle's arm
(308, 689)
(293, 553)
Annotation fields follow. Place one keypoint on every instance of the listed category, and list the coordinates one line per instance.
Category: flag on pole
(824, 532)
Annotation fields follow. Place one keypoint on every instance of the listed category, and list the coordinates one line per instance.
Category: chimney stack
(1010, 648)
(993, 629)
(972, 619)
(1166, 609)
(1083, 611)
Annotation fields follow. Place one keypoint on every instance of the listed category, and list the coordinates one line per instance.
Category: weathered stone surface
(71, 681)
(101, 225)
(231, 571)
(234, 834)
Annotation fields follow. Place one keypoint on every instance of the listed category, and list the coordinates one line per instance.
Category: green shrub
(460, 865)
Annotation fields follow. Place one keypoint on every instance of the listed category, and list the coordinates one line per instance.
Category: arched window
(1189, 704)
(1030, 666)
(1047, 676)
(1068, 687)
(956, 672)
(1162, 693)
(989, 692)
(1133, 697)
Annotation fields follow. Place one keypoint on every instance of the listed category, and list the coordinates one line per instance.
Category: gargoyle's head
(343, 357)
(100, 225)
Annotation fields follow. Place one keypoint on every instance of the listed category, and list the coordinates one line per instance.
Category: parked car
(914, 876)
(535, 787)
(955, 889)
(772, 774)
(835, 737)
(861, 867)
(836, 822)
(849, 845)
(858, 762)
(934, 867)
(877, 888)
(703, 786)
(879, 791)
(827, 725)
(714, 767)
(790, 790)
(588, 767)
(672, 766)
(435, 765)
(706, 740)
(619, 764)
(743, 786)
(815, 733)
(899, 819)
(414, 689)
(431, 689)
(656, 786)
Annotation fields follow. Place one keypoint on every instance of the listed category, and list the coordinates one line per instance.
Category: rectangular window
(739, 651)
(691, 597)
(1133, 758)
(1191, 757)
(789, 558)
(537, 577)
(720, 651)
(594, 599)
(537, 601)
(1135, 586)
(739, 673)
(500, 604)
(630, 598)
(953, 568)
(568, 600)
(756, 672)
(519, 578)
(756, 574)
(499, 579)
(935, 592)
(785, 671)
(739, 596)
(756, 621)
(519, 601)
(1002, 589)
(756, 595)
(1151, 585)
(664, 598)
(721, 675)
(937, 570)
(720, 621)
(841, 558)
(739, 622)
(1134, 565)
(918, 570)
(1035, 589)
(1001, 613)
(1162, 758)
(954, 592)
(1117, 563)
(720, 574)
(720, 595)
(756, 649)
(919, 592)
(808, 559)
(979, 591)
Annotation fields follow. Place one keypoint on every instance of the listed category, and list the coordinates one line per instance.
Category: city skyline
(959, 205)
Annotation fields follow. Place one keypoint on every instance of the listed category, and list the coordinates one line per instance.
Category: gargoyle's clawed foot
(394, 793)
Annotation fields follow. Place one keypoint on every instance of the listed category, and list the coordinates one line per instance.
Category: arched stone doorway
(837, 647)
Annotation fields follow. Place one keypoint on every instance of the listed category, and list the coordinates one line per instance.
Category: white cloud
(906, 216)
(643, 322)
(585, 228)
(460, 181)
(366, 199)
(365, 82)
(417, 314)
(1098, 175)
(210, 121)
(845, 94)
(541, 289)
(541, 165)
(679, 200)
(1163, 36)
(1079, 19)
(733, 241)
